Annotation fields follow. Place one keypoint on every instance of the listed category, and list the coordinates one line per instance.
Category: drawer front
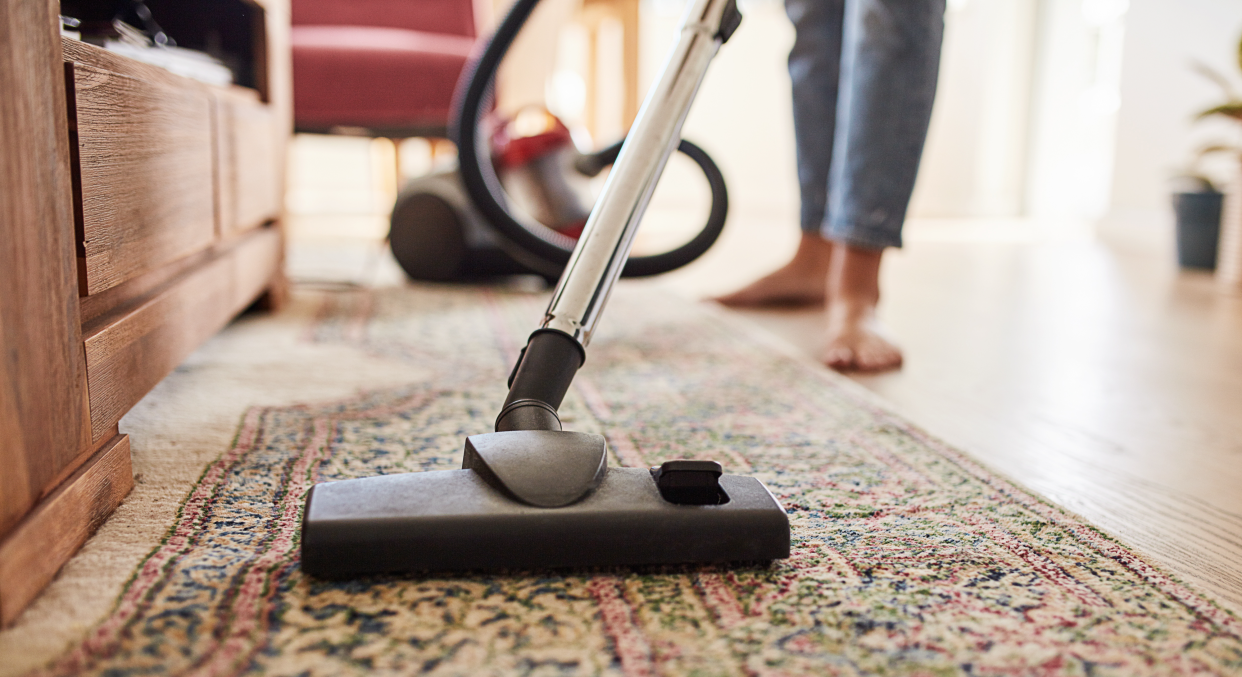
(126, 358)
(249, 164)
(146, 168)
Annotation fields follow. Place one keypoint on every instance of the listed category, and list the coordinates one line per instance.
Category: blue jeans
(864, 77)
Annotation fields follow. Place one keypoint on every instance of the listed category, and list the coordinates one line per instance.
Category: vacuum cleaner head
(539, 499)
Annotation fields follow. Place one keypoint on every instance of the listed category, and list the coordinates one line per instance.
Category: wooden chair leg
(396, 157)
(628, 11)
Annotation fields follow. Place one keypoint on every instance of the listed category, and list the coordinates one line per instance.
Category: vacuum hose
(485, 190)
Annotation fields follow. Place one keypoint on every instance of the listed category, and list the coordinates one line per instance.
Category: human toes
(772, 293)
(839, 356)
(755, 294)
(876, 354)
(742, 297)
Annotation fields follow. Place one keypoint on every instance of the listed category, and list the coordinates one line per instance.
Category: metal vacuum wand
(557, 349)
(605, 243)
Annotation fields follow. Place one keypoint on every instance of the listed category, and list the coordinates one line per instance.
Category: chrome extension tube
(605, 243)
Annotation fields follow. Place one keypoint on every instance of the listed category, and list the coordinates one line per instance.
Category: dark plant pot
(1198, 228)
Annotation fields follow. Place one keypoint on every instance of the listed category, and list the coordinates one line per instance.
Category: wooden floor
(1094, 373)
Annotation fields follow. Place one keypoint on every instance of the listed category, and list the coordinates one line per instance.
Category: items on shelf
(133, 32)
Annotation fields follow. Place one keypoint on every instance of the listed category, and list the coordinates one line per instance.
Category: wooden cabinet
(141, 213)
(249, 194)
(145, 167)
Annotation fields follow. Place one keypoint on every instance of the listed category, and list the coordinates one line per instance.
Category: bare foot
(856, 344)
(854, 341)
(798, 283)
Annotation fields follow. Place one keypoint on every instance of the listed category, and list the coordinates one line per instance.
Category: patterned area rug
(908, 558)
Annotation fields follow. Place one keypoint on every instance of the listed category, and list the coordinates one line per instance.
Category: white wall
(743, 113)
(1061, 108)
(975, 160)
(1074, 108)
(1160, 94)
(1076, 93)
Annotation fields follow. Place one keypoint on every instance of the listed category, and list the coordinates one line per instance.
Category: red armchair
(385, 66)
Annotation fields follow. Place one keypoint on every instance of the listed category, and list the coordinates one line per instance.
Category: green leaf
(1233, 109)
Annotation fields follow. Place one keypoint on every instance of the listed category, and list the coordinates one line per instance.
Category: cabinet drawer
(249, 167)
(128, 355)
(145, 173)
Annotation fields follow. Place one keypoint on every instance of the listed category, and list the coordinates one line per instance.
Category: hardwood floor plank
(1094, 373)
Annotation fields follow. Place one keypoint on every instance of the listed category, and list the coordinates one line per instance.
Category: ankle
(814, 253)
(855, 275)
(851, 309)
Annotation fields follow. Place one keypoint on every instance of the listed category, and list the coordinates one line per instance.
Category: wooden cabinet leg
(276, 295)
(32, 554)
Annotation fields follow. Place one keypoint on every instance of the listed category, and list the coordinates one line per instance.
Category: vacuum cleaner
(458, 224)
(439, 234)
(531, 495)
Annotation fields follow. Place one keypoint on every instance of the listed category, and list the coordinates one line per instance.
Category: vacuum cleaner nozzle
(510, 507)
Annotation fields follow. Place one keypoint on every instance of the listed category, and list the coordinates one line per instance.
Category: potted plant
(1199, 211)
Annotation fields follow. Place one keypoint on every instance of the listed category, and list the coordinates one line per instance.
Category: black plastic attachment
(542, 377)
(528, 414)
(690, 482)
(729, 21)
